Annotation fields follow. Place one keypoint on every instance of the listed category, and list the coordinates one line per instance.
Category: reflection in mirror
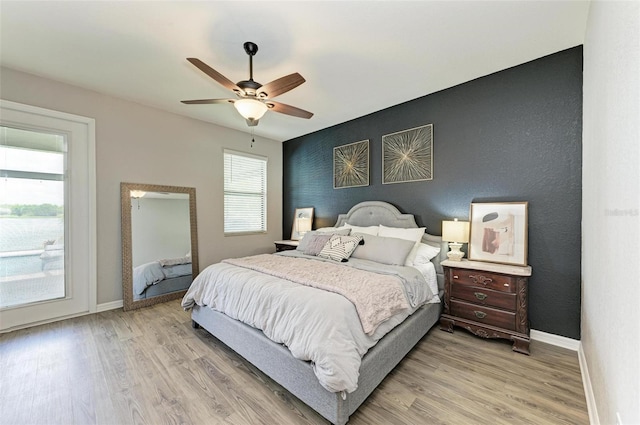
(159, 243)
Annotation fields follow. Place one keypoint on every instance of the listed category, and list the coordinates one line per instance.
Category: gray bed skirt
(297, 376)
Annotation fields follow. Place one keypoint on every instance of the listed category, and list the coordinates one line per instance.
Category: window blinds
(245, 193)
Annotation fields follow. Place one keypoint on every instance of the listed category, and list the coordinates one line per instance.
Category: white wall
(139, 144)
(611, 209)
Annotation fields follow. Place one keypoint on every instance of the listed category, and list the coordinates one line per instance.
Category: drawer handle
(480, 295)
(480, 279)
(455, 276)
(480, 314)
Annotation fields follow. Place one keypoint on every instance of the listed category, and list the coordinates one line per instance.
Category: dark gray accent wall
(515, 135)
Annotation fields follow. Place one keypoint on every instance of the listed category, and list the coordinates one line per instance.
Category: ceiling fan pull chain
(253, 140)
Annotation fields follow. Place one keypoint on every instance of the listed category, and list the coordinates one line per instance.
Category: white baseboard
(557, 340)
(109, 306)
(594, 419)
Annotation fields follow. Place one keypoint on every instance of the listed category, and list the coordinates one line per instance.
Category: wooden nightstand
(489, 300)
(286, 245)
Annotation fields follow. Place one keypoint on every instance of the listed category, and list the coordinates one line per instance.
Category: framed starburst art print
(407, 156)
(351, 165)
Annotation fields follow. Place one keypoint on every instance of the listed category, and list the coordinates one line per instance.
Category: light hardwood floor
(150, 367)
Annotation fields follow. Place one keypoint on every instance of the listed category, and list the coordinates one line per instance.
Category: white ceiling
(357, 57)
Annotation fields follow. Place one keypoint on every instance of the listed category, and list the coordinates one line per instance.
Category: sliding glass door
(47, 217)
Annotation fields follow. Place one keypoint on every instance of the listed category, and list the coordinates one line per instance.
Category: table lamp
(456, 233)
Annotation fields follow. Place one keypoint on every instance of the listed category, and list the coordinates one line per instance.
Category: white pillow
(425, 253)
(369, 230)
(329, 229)
(411, 234)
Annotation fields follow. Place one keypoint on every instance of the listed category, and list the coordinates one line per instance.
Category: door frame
(81, 253)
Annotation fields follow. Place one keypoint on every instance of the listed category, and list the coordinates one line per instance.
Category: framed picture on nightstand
(302, 222)
(498, 232)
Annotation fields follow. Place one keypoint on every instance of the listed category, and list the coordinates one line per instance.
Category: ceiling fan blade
(281, 85)
(289, 110)
(207, 101)
(215, 75)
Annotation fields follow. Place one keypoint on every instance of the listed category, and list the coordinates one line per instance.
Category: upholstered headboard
(373, 213)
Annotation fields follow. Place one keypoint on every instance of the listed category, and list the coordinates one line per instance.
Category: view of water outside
(27, 236)
(29, 233)
(31, 224)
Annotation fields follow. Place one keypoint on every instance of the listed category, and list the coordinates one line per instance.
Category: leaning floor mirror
(159, 243)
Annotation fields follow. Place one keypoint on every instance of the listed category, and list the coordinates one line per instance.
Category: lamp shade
(250, 109)
(455, 231)
(138, 193)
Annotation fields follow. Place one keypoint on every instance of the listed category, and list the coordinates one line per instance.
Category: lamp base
(455, 254)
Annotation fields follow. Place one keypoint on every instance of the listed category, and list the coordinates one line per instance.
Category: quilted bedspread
(376, 296)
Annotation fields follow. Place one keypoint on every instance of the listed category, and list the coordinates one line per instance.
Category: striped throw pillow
(340, 247)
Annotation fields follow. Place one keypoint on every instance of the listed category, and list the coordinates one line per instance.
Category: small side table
(286, 245)
(490, 300)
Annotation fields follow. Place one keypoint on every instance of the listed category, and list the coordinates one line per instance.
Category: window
(245, 193)
(32, 225)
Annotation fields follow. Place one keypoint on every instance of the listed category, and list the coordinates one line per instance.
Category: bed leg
(195, 324)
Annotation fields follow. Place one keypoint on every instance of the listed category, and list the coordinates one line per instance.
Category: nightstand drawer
(493, 281)
(483, 296)
(486, 315)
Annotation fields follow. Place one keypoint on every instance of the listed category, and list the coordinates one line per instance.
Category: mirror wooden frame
(127, 267)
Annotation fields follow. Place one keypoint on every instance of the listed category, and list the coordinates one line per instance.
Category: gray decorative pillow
(383, 250)
(316, 243)
(340, 247)
(302, 246)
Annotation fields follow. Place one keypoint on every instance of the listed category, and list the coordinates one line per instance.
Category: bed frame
(166, 286)
(297, 376)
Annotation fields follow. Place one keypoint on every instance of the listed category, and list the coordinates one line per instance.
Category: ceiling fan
(254, 99)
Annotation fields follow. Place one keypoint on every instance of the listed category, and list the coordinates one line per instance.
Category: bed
(161, 277)
(300, 377)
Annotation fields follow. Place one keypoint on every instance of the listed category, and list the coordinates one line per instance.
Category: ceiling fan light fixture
(250, 109)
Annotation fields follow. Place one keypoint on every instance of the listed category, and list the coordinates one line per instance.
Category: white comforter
(318, 326)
